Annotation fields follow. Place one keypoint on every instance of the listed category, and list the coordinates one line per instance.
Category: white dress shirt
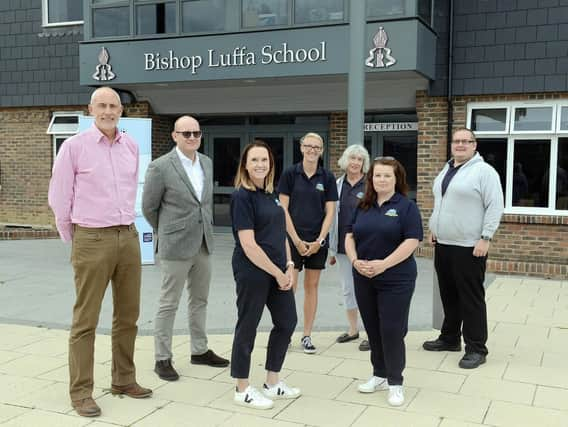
(194, 172)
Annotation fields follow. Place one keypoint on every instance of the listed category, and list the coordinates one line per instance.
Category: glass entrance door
(401, 146)
(225, 151)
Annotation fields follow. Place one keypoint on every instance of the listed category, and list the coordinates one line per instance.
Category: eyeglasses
(462, 141)
(315, 148)
(384, 158)
(190, 134)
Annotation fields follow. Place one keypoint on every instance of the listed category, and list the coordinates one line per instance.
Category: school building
(276, 69)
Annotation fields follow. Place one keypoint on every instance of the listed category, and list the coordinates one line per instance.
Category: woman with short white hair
(354, 162)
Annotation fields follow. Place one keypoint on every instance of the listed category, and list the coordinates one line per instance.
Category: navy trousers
(255, 290)
(384, 309)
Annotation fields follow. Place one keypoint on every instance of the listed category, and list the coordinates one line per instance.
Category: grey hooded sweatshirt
(471, 207)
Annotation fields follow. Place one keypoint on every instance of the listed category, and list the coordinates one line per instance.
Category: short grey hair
(358, 151)
(100, 89)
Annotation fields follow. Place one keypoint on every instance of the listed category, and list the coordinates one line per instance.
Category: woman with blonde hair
(308, 194)
(263, 272)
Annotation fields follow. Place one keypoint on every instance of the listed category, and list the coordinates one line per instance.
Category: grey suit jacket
(169, 203)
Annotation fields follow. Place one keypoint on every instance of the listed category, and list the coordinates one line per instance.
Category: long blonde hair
(242, 178)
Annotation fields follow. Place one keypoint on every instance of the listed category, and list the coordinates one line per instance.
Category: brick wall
(337, 139)
(524, 244)
(161, 135)
(26, 158)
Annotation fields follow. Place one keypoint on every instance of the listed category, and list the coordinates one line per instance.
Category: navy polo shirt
(348, 201)
(379, 230)
(261, 212)
(307, 198)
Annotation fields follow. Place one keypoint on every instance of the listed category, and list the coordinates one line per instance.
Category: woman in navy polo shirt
(385, 231)
(308, 194)
(263, 274)
(350, 187)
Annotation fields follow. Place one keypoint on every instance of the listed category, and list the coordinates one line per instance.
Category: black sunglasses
(190, 134)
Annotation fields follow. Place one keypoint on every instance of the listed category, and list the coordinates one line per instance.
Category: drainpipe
(450, 74)
(437, 307)
(356, 77)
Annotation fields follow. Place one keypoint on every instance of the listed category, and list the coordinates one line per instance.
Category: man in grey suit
(178, 203)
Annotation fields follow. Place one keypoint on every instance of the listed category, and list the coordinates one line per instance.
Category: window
(264, 13)
(203, 15)
(424, 8)
(62, 12)
(111, 21)
(61, 127)
(310, 11)
(527, 144)
(385, 8)
(159, 18)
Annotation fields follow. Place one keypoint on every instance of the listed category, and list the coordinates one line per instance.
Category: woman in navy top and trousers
(263, 272)
(386, 229)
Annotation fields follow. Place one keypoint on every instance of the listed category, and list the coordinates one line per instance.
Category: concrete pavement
(523, 383)
(36, 288)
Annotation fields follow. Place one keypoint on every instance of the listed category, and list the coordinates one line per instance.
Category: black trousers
(256, 289)
(460, 277)
(384, 309)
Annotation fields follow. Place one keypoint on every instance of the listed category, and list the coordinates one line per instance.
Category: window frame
(45, 17)
(61, 133)
(511, 135)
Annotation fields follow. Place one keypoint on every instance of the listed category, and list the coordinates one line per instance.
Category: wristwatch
(322, 242)
(483, 237)
(290, 263)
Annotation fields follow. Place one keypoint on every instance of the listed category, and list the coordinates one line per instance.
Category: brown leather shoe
(131, 390)
(209, 358)
(86, 407)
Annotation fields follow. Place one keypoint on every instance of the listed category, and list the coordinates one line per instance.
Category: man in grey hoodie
(468, 204)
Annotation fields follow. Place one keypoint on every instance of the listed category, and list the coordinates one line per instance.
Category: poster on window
(141, 131)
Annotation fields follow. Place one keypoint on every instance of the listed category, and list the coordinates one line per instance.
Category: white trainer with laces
(396, 395)
(280, 391)
(374, 384)
(252, 398)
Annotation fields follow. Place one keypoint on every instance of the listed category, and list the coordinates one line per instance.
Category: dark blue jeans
(384, 308)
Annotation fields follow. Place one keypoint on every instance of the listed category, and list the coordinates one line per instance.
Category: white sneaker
(281, 391)
(396, 395)
(252, 398)
(374, 384)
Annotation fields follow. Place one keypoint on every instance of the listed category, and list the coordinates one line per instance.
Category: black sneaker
(439, 345)
(165, 370)
(307, 345)
(472, 360)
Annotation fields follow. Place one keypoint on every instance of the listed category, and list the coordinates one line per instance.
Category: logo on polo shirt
(391, 212)
(319, 186)
(360, 195)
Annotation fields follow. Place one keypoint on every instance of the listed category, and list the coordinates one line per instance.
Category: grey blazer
(169, 203)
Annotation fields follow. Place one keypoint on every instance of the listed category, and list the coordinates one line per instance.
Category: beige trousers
(100, 256)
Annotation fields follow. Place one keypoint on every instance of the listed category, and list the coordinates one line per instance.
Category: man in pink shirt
(92, 194)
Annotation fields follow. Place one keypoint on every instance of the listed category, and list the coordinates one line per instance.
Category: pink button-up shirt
(94, 182)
